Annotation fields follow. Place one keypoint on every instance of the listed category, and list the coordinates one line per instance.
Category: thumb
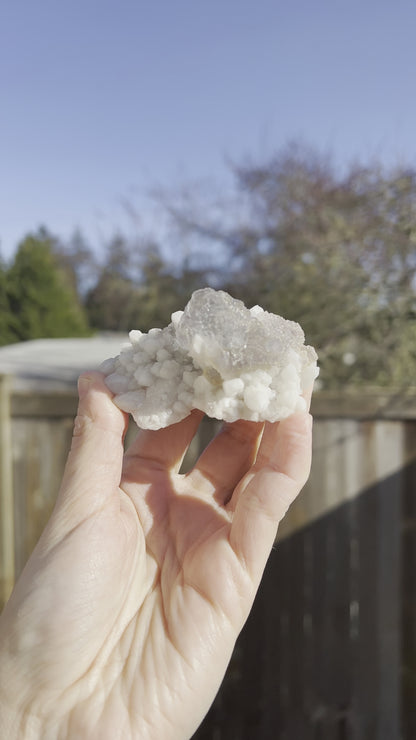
(93, 469)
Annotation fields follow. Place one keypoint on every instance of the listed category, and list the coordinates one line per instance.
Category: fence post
(6, 494)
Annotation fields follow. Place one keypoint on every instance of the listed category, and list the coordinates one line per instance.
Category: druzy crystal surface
(218, 356)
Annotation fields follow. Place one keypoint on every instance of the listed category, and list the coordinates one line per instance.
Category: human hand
(125, 617)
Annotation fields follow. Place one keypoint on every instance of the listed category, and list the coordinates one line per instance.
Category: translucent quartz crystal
(218, 356)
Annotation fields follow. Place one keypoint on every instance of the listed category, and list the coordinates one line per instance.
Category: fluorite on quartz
(217, 356)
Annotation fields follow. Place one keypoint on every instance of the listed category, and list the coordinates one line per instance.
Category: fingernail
(84, 384)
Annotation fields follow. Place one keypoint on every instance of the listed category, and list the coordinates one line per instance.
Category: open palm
(124, 619)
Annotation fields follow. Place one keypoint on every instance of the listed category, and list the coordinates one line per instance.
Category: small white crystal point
(176, 317)
(134, 335)
(256, 310)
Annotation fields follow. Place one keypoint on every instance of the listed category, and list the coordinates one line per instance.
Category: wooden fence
(329, 651)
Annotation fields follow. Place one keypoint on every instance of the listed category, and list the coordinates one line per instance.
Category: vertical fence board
(408, 591)
(367, 657)
(7, 567)
(339, 599)
(40, 450)
(388, 606)
(297, 722)
(320, 648)
(274, 601)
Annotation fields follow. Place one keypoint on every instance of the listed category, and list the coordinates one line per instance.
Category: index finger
(162, 449)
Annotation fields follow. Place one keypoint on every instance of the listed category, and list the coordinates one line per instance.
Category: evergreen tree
(137, 288)
(8, 333)
(42, 298)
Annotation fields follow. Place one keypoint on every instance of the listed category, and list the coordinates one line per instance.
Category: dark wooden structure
(329, 650)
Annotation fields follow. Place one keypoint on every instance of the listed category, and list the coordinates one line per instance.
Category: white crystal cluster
(217, 356)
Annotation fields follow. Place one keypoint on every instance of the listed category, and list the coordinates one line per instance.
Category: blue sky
(101, 100)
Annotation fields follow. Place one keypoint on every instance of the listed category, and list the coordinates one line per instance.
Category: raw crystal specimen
(217, 356)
